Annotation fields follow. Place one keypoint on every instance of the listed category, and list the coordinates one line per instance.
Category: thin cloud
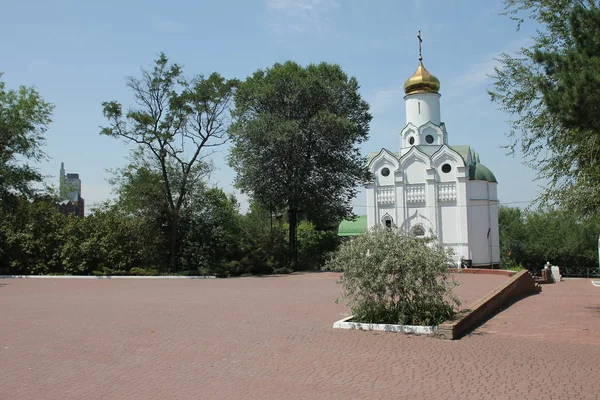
(301, 16)
(385, 100)
(479, 74)
(391, 98)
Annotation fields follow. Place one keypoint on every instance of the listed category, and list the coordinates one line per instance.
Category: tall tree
(174, 119)
(139, 185)
(211, 225)
(530, 238)
(24, 118)
(512, 235)
(140, 193)
(552, 90)
(295, 141)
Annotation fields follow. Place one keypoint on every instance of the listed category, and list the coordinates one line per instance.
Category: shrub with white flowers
(390, 277)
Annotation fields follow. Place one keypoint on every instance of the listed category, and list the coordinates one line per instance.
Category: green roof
(480, 172)
(463, 151)
(374, 154)
(353, 228)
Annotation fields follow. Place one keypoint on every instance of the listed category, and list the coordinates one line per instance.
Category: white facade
(430, 187)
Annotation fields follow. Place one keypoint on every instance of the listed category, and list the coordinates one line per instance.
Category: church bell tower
(422, 102)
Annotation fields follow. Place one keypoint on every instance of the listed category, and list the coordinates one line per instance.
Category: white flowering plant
(390, 277)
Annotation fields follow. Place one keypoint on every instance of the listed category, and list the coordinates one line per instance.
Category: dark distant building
(71, 201)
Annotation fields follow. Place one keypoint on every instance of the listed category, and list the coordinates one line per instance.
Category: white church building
(429, 187)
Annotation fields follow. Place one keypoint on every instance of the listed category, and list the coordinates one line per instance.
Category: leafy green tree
(512, 236)
(139, 186)
(109, 242)
(393, 278)
(140, 193)
(562, 238)
(552, 90)
(139, 189)
(30, 236)
(295, 141)
(314, 245)
(211, 227)
(175, 120)
(263, 242)
(24, 117)
(30, 222)
(530, 238)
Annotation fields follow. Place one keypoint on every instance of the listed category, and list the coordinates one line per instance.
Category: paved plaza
(272, 338)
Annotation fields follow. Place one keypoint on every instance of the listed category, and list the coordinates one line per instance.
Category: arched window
(387, 221)
(417, 231)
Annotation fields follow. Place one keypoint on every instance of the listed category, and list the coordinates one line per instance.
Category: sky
(79, 53)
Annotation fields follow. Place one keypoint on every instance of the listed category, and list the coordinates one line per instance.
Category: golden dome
(421, 82)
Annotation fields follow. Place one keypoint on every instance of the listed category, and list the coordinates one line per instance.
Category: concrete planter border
(101, 277)
(347, 323)
(514, 288)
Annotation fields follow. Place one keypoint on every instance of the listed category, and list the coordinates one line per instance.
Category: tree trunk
(292, 235)
(173, 243)
(271, 230)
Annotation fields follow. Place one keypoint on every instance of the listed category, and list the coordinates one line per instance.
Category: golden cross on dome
(420, 41)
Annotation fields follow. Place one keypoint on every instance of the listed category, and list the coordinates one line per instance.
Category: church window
(387, 221)
(446, 168)
(418, 231)
(385, 171)
(411, 141)
(419, 108)
(429, 139)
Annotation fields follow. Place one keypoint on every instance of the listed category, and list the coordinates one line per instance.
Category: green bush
(109, 240)
(314, 246)
(110, 272)
(392, 278)
(283, 271)
(143, 271)
(509, 264)
(30, 236)
(530, 238)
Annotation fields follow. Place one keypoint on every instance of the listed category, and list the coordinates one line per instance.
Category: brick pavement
(271, 338)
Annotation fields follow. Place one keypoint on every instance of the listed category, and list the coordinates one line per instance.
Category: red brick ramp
(515, 288)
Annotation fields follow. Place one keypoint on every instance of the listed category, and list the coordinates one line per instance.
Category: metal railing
(579, 272)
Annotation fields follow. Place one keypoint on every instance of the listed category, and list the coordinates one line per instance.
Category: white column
(371, 200)
(431, 202)
(401, 212)
(462, 202)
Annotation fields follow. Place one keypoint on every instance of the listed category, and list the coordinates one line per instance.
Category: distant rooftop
(353, 228)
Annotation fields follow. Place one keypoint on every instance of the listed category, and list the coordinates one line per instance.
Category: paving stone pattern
(272, 338)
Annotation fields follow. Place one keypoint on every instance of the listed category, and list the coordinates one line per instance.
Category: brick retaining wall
(516, 287)
(483, 271)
